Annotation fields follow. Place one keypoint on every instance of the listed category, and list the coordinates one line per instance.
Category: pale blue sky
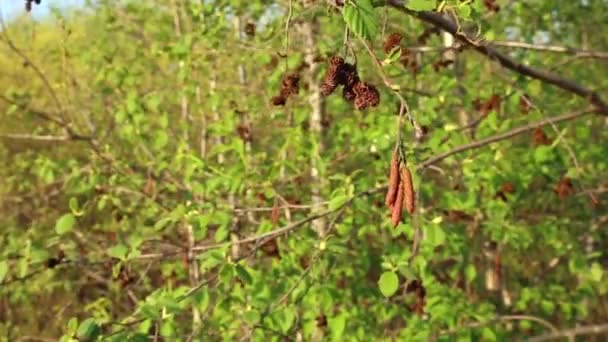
(13, 8)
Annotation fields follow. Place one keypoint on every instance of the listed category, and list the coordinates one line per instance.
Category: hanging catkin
(408, 190)
(393, 182)
(397, 207)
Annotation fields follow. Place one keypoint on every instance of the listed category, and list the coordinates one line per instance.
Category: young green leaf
(361, 18)
(421, 5)
(388, 283)
(337, 325)
(119, 251)
(243, 274)
(65, 224)
(3, 269)
(88, 330)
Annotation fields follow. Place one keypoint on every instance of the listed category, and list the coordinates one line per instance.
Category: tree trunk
(317, 114)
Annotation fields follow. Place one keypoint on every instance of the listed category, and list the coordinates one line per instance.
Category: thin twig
(572, 333)
(392, 87)
(579, 53)
(287, 24)
(505, 135)
(505, 318)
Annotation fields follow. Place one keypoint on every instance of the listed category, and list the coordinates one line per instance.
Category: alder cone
(366, 95)
(540, 137)
(328, 86)
(393, 181)
(279, 100)
(394, 39)
(564, 188)
(290, 85)
(397, 208)
(348, 75)
(524, 104)
(408, 190)
(250, 29)
(332, 75)
(348, 94)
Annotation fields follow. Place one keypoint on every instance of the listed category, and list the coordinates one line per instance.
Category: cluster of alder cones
(400, 193)
(28, 4)
(363, 94)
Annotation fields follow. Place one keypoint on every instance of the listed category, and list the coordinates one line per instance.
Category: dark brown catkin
(409, 200)
(393, 180)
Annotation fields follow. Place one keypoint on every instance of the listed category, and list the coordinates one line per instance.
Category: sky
(14, 8)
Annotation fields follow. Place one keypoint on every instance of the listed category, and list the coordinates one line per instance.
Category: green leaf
(488, 334)
(160, 140)
(73, 204)
(3, 269)
(337, 325)
(596, 272)
(393, 56)
(88, 329)
(543, 154)
(470, 272)
(361, 18)
(337, 201)
(221, 234)
(434, 235)
(243, 274)
(251, 316)
(287, 320)
(65, 224)
(72, 325)
(421, 5)
(119, 251)
(464, 11)
(388, 283)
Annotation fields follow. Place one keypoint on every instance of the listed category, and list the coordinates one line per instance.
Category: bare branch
(571, 333)
(505, 135)
(553, 48)
(20, 136)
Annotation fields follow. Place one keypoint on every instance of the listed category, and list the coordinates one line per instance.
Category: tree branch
(485, 48)
(553, 48)
(505, 135)
(571, 333)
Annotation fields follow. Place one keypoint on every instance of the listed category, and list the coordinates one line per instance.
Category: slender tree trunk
(317, 107)
(193, 269)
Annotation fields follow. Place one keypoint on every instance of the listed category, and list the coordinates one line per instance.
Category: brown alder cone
(393, 40)
(408, 190)
(397, 207)
(393, 180)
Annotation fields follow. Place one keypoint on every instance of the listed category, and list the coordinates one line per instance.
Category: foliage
(151, 188)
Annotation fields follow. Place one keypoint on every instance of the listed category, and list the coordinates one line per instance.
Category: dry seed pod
(393, 183)
(397, 208)
(408, 190)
